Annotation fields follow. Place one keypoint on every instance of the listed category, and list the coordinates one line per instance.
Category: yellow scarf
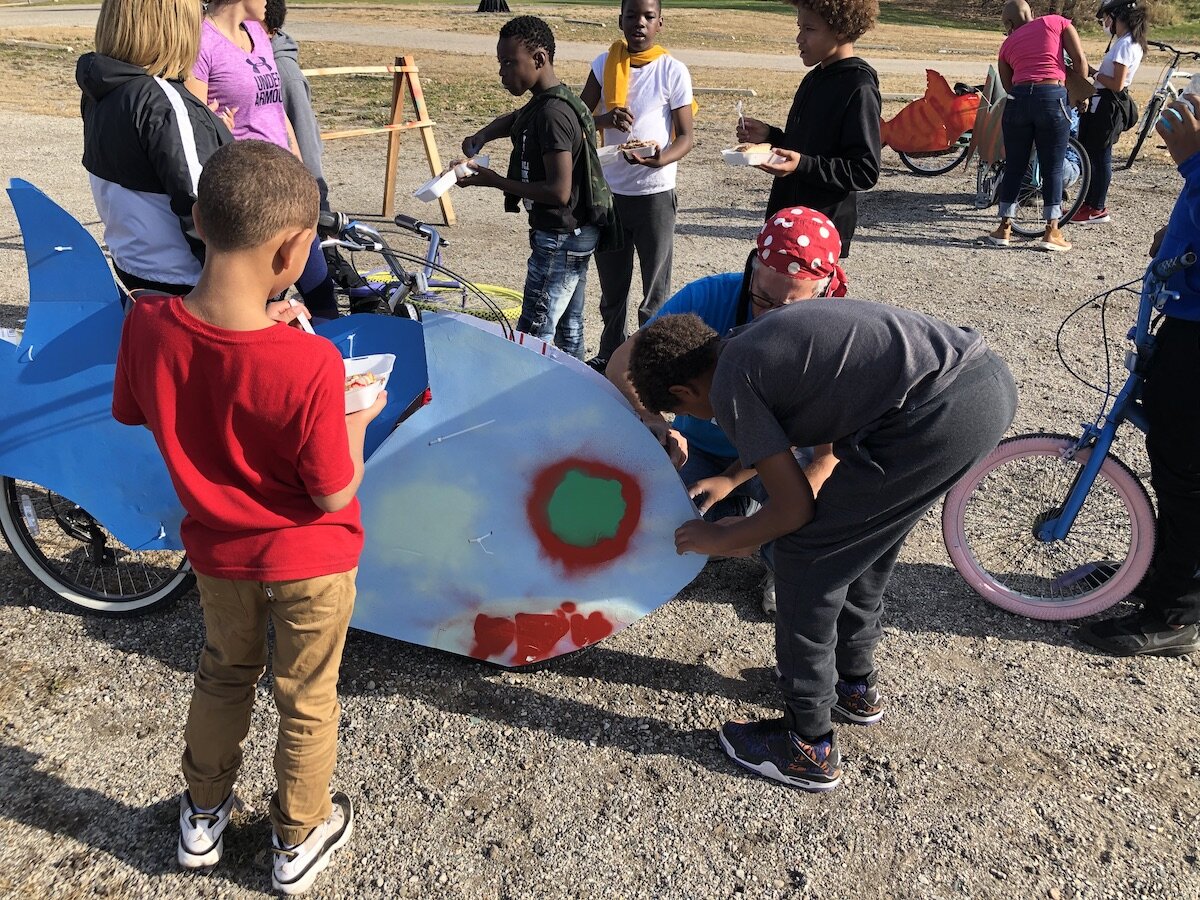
(616, 72)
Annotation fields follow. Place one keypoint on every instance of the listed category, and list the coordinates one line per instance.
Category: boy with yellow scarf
(638, 91)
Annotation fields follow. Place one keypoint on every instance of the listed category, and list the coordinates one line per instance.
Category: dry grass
(462, 92)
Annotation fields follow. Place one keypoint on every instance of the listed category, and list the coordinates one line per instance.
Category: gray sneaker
(297, 867)
(202, 834)
(1140, 634)
(768, 593)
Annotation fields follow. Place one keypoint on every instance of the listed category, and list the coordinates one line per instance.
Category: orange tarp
(933, 122)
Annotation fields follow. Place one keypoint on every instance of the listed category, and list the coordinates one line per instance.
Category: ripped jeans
(554, 284)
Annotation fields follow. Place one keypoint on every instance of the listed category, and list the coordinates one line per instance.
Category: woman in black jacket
(830, 145)
(145, 139)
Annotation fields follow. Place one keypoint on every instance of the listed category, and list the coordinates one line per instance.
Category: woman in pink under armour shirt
(235, 74)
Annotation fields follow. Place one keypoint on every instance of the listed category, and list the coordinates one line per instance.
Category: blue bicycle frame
(1127, 407)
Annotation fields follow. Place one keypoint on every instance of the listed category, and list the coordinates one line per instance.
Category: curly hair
(276, 15)
(671, 351)
(848, 19)
(531, 32)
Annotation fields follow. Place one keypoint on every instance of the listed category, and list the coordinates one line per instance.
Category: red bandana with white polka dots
(803, 243)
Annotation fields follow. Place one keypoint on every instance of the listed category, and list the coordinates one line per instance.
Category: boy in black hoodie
(831, 144)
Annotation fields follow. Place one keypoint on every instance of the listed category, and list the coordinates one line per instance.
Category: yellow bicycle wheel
(448, 299)
(507, 301)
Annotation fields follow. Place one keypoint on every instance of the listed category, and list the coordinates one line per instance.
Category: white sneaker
(201, 834)
(296, 868)
(768, 593)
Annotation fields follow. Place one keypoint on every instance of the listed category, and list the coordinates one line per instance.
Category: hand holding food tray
(435, 187)
(632, 147)
(751, 155)
(366, 377)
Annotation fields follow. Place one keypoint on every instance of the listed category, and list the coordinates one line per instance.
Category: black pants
(135, 283)
(649, 225)
(830, 575)
(1171, 398)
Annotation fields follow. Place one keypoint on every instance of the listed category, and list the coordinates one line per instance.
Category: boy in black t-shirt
(552, 172)
(909, 404)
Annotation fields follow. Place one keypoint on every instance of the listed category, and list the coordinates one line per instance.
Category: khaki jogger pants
(310, 618)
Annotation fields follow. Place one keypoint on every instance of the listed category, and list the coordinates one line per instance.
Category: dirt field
(1012, 761)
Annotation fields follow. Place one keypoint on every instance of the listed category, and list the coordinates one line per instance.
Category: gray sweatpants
(649, 225)
(830, 575)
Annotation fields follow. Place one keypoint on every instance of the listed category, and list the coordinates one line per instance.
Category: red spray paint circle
(576, 557)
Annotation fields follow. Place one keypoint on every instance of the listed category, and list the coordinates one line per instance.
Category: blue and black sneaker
(773, 751)
(859, 702)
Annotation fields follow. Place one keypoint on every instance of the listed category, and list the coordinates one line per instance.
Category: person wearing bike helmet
(1111, 110)
(1168, 623)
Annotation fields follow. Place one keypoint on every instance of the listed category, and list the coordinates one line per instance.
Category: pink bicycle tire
(1119, 483)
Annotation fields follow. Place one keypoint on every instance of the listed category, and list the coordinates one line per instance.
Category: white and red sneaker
(1087, 215)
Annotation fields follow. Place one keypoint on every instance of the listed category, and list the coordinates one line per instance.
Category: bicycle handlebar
(1158, 45)
(332, 224)
(1166, 268)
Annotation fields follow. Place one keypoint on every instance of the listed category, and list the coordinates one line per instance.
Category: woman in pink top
(235, 74)
(1034, 73)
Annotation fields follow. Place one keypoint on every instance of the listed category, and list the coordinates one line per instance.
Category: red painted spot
(537, 633)
(590, 629)
(493, 635)
(572, 558)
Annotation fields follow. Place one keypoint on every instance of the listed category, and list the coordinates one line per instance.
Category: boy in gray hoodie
(297, 96)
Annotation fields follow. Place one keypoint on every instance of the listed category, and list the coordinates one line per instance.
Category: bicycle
(928, 163)
(421, 288)
(937, 162)
(1164, 94)
(1028, 220)
(1056, 527)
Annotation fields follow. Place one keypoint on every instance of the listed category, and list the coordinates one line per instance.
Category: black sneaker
(773, 751)
(598, 363)
(858, 702)
(296, 868)
(1140, 634)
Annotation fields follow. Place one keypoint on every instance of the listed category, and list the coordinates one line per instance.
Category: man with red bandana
(795, 258)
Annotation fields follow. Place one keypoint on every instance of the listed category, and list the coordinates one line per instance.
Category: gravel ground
(1012, 762)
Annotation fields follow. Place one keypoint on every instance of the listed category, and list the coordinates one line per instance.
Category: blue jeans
(1035, 116)
(554, 285)
(745, 500)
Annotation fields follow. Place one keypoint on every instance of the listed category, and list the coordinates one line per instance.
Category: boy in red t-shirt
(249, 417)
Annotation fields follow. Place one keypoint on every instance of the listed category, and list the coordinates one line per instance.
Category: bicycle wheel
(987, 183)
(1029, 220)
(447, 299)
(79, 559)
(936, 162)
(1152, 110)
(990, 518)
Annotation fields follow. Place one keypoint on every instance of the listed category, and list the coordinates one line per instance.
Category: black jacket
(834, 124)
(145, 140)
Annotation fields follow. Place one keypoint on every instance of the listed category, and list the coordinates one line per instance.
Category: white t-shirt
(1124, 51)
(655, 89)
